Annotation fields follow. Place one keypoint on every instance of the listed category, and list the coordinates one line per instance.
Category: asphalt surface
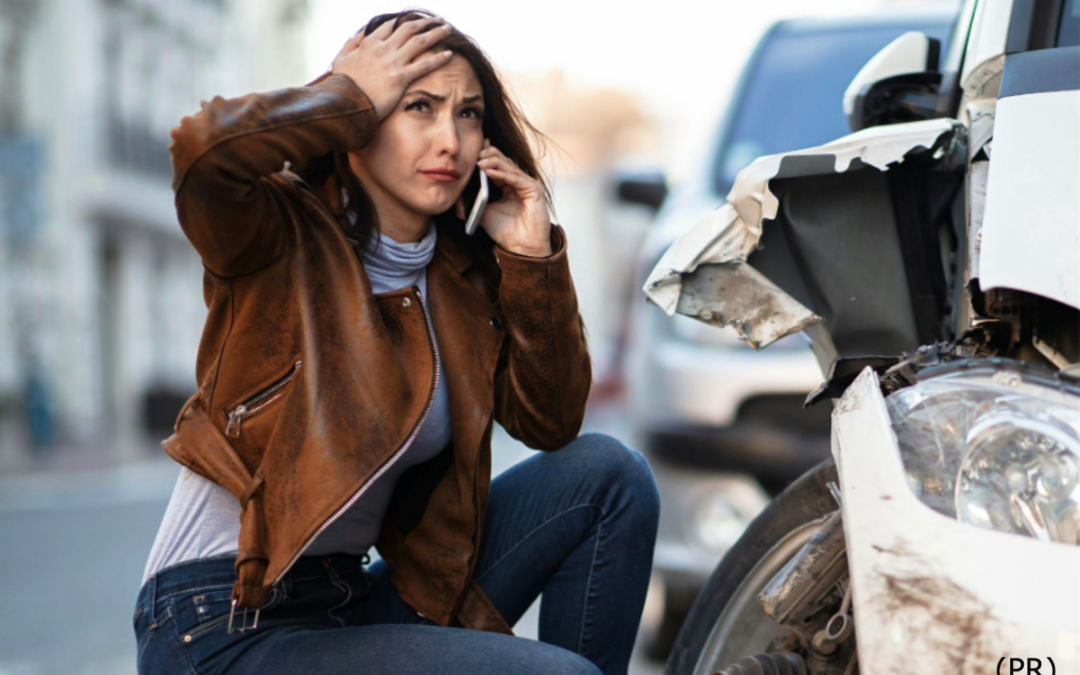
(74, 547)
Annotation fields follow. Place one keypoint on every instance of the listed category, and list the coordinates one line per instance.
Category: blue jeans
(578, 525)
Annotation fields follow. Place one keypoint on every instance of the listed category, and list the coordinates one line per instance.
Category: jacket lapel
(469, 348)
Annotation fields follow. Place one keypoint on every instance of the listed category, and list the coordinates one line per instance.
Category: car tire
(769, 542)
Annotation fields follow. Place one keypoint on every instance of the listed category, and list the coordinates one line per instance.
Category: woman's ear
(459, 208)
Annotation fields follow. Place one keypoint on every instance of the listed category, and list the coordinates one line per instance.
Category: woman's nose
(447, 138)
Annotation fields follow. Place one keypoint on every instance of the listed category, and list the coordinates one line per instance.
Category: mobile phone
(478, 205)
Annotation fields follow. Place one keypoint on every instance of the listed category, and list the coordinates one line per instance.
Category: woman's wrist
(533, 246)
(531, 251)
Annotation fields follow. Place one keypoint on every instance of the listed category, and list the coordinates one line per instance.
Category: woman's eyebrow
(440, 99)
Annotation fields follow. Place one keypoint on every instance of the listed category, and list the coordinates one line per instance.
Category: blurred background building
(100, 303)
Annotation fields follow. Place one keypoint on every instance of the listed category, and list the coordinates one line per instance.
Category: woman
(357, 350)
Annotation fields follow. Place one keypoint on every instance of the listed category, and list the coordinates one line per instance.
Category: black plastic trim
(933, 55)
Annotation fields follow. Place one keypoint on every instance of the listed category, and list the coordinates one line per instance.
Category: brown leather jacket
(310, 385)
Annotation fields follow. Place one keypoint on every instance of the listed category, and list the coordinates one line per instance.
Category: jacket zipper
(257, 402)
(393, 458)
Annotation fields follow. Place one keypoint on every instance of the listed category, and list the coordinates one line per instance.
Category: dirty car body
(932, 257)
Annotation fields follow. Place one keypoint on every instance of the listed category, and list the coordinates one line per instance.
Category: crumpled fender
(705, 274)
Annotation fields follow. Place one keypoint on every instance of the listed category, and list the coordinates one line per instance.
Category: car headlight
(994, 447)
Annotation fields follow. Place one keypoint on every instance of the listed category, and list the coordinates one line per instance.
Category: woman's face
(435, 126)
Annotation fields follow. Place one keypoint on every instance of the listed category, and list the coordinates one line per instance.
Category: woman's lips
(440, 177)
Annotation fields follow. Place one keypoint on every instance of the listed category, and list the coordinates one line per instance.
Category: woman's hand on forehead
(386, 62)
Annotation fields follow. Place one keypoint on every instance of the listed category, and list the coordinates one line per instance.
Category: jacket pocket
(255, 402)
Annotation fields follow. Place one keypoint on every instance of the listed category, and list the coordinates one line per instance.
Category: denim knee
(621, 465)
(579, 665)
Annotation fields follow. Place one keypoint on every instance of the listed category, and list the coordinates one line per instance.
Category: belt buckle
(243, 621)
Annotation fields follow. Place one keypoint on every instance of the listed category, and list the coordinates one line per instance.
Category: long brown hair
(503, 124)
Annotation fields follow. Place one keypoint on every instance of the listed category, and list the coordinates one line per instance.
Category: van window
(1069, 27)
(794, 97)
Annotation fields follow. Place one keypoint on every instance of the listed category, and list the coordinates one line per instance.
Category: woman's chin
(434, 208)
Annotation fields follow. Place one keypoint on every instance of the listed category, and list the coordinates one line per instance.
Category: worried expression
(424, 152)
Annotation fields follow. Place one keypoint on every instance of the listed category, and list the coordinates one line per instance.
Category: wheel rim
(743, 628)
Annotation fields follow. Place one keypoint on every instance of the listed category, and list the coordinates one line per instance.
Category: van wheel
(726, 622)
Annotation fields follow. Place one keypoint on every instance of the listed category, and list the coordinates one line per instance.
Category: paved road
(73, 552)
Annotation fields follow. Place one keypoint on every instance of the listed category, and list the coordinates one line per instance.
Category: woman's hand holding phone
(382, 64)
(519, 221)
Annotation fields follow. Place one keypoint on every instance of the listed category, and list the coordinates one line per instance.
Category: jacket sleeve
(543, 383)
(234, 216)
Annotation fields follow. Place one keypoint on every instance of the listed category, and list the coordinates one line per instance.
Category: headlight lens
(995, 449)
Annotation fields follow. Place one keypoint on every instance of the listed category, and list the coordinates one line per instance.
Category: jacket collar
(450, 245)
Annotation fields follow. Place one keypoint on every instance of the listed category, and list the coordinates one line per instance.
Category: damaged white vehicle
(932, 258)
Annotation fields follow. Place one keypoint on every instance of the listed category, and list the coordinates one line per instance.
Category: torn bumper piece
(736, 294)
(705, 273)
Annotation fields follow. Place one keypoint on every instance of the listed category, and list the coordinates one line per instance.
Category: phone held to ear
(478, 206)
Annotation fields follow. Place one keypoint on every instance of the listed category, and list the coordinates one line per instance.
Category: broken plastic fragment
(759, 310)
